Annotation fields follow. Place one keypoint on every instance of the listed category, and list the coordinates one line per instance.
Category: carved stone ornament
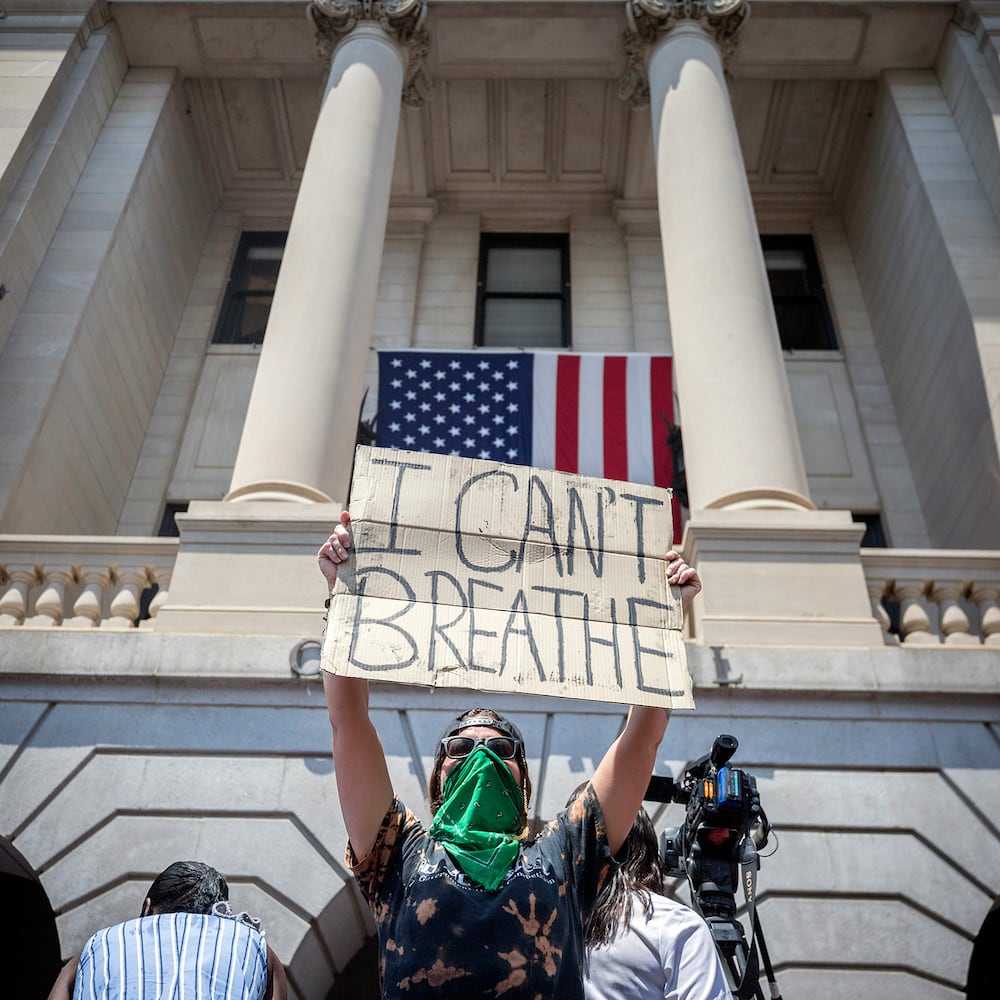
(99, 15)
(403, 19)
(648, 20)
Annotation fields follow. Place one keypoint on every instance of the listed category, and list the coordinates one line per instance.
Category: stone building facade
(799, 202)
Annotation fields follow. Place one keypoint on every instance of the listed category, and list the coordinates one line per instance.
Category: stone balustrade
(921, 597)
(935, 597)
(49, 581)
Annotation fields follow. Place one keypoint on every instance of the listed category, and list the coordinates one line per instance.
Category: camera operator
(642, 945)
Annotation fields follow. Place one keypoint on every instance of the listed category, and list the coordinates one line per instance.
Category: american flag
(595, 414)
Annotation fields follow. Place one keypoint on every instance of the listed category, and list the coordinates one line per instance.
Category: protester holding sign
(471, 907)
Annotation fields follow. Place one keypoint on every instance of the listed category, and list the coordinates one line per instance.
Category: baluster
(50, 605)
(955, 625)
(88, 607)
(160, 598)
(987, 597)
(14, 602)
(876, 591)
(131, 581)
(914, 622)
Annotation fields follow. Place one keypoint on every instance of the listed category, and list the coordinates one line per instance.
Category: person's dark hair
(480, 717)
(638, 874)
(185, 887)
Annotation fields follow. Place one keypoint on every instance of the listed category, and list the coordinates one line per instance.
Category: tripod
(740, 960)
(723, 829)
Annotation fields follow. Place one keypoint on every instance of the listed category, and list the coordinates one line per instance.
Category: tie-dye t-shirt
(442, 936)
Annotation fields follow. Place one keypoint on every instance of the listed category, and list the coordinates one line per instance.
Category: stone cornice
(403, 19)
(982, 19)
(649, 20)
(978, 16)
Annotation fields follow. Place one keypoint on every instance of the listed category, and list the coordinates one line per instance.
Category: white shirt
(668, 955)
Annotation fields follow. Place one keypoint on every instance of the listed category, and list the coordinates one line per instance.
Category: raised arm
(358, 759)
(623, 774)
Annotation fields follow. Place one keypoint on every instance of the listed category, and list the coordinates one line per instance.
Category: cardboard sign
(472, 574)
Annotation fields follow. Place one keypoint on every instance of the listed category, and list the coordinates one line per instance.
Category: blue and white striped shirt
(174, 956)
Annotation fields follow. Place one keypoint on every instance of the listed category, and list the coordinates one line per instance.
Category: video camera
(724, 827)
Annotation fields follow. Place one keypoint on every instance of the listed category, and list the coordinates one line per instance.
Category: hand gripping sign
(477, 575)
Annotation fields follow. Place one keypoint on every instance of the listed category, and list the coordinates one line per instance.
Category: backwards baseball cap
(478, 717)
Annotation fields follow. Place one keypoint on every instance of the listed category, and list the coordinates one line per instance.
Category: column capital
(982, 19)
(650, 20)
(403, 20)
(979, 17)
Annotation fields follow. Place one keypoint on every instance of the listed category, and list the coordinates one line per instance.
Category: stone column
(776, 570)
(741, 446)
(249, 567)
(299, 434)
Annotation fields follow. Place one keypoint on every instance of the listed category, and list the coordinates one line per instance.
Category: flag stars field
(594, 414)
(487, 395)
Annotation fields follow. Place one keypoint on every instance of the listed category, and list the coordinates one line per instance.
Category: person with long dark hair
(642, 945)
(472, 907)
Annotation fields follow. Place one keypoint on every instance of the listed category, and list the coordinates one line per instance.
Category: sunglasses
(458, 747)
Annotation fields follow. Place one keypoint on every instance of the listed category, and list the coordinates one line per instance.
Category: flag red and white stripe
(604, 415)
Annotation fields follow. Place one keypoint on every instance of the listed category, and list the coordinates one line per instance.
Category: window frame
(875, 536)
(815, 292)
(503, 241)
(236, 293)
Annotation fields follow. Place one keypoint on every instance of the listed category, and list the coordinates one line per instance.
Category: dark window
(168, 529)
(874, 536)
(892, 609)
(522, 295)
(145, 600)
(250, 289)
(168, 523)
(804, 322)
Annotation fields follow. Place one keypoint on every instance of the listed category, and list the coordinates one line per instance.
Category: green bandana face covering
(480, 817)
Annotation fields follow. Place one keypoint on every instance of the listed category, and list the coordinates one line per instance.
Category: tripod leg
(740, 961)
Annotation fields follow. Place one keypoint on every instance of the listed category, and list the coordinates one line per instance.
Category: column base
(762, 499)
(779, 578)
(280, 490)
(249, 569)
